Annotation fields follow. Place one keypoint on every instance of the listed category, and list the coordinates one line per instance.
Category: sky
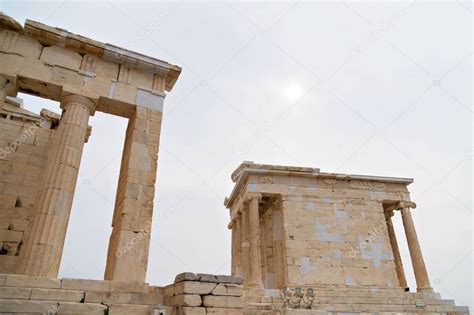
(351, 87)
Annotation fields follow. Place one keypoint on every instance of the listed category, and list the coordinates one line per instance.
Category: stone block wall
(23, 152)
(199, 294)
(35, 295)
(334, 230)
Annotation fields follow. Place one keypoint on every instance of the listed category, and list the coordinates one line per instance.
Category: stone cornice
(49, 36)
(240, 175)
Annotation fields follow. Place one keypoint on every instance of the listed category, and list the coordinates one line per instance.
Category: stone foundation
(27, 294)
(198, 294)
(358, 301)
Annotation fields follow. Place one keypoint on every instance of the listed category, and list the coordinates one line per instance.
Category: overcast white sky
(353, 87)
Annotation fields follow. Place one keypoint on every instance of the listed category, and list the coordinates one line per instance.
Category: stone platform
(190, 294)
(40, 295)
(200, 294)
(358, 301)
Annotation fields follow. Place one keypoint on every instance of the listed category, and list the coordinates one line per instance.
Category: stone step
(368, 293)
(390, 308)
(11, 280)
(381, 300)
(56, 295)
(374, 298)
(368, 308)
(320, 312)
(49, 307)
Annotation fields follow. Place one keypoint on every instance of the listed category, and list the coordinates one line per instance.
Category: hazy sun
(292, 92)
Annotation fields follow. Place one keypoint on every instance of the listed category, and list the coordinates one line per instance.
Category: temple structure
(298, 227)
(40, 156)
(293, 228)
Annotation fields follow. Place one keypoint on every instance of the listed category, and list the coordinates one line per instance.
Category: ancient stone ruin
(326, 234)
(303, 241)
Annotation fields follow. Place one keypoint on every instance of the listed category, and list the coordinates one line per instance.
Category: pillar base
(424, 290)
(254, 290)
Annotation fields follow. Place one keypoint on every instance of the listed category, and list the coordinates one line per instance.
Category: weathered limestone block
(81, 308)
(151, 289)
(364, 276)
(8, 263)
(298, 275)
(117, 309)
(18, 224)
(85, 285)
(22, 306)
(183, 300)
(11, 236)
(191, 311)
(222, 301)
(122, 261)
(7, 201)
(189, 276)
(57, 295)
(189, 287)
(63, 57)
(219, 278)
(228, 289)
(32, 282)
(147, 299)
(108, 297)
(224, 311)
(15, 293)
(186, 276)
(135, 287)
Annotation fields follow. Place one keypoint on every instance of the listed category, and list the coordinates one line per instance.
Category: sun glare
(292, 92)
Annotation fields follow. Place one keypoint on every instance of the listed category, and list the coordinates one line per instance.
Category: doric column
(396, 251)
(41, 254)
(245, 244)
(255, 277)
(238, 228)
(419, 268)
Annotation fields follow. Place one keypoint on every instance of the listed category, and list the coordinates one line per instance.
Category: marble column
(238, 263)
(233, 253)
(255, 277)
(127, 257)
(245, 245)
(41, 254)
(129, 243)
(396, 251)
(419, 268)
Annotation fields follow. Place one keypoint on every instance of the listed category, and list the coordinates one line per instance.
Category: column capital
(249, 196)
(402, 204)
(407, 204)
(78, 99)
